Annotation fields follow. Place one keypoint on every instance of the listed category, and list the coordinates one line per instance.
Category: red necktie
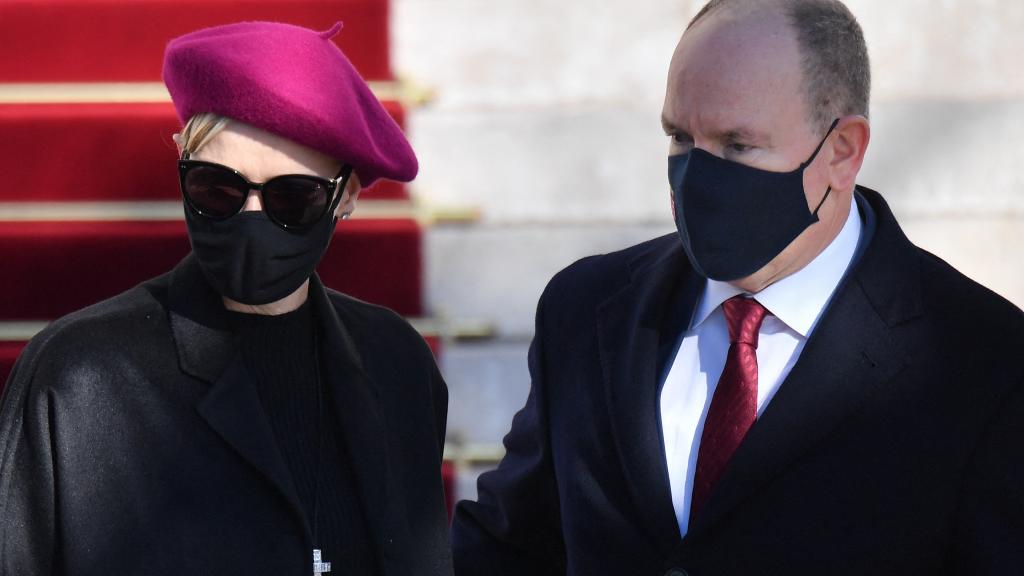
(734, 406)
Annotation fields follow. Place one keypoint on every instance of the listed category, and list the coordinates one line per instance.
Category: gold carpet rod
(142, 92)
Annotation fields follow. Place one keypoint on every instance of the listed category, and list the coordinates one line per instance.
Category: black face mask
(734, 219)
(251, 260)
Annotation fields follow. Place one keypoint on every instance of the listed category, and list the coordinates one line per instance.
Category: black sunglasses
(292, 201)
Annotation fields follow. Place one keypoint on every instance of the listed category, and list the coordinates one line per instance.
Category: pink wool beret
(291, 81)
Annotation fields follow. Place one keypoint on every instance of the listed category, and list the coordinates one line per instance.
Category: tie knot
(744, 316)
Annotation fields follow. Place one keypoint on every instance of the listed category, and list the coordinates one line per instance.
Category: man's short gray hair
(836, 70)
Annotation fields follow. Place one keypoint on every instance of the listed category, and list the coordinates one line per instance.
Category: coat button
(677, 572)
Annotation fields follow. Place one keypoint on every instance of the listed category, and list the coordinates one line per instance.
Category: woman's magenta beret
(293, 82)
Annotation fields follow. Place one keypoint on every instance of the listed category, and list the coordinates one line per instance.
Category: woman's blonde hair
(202, 127)
(199, 130)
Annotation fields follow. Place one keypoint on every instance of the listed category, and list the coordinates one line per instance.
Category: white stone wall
(547, 119)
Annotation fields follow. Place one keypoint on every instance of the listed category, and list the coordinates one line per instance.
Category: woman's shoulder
(373, 322)
(98, 332)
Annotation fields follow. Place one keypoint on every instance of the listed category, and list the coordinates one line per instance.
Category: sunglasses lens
(214, 192)
(295, 201)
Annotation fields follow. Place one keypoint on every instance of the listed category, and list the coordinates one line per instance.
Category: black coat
(133, 442)
(895, 445)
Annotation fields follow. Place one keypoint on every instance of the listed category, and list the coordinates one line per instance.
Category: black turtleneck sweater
(280, 354)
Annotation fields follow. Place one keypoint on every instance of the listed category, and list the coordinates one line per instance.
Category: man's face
(735, 90)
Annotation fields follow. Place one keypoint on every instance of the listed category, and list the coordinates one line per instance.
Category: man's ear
(849, 146)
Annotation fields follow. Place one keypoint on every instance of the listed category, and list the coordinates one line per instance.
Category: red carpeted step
(8, 354)
(123, 40)
(434, 341)
(52, 268)
(105, 152)
(448, 481)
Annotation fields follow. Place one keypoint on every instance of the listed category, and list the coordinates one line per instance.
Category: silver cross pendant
(319, 567)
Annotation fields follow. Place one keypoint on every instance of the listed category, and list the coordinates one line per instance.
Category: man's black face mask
(734, 219)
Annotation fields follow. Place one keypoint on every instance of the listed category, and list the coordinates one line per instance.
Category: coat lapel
(835, 371)
(632, 326)
(356, 405)
(852, 351)
(232, 408)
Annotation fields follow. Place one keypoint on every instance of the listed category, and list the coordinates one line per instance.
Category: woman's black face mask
(250, 257)
(733, 219)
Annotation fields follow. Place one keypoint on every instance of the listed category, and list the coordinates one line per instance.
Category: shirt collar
(798, 299)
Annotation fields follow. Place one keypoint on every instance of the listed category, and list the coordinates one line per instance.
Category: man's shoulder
(903, 273)
(956, 300)
(600, 276)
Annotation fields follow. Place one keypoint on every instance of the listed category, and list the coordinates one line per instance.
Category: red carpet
(8, 354)
(448, 482)
(434, 342)
(52, 268)
(87, 152)
(123, 40)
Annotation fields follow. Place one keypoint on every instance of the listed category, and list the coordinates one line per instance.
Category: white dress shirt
(795, 302)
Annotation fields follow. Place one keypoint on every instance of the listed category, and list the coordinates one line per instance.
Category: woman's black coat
(132, 441)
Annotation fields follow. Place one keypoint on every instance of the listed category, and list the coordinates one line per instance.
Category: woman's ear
(178, 143)
(349, 197)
